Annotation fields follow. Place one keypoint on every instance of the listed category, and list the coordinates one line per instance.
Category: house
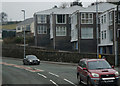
(60, 32)
(28, 24)
(53, 27)
(42, 27)
(83, 31)
(110, 31)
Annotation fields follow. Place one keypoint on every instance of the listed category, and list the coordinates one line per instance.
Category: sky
(13, 7)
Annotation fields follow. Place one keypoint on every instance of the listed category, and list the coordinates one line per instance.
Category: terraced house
(53, 27)
(42, 27)
(61, 27)
(83, 31)
(110, 31)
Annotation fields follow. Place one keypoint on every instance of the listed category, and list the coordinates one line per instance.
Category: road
(14, 73)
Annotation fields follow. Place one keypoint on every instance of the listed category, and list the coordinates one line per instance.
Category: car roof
(87, 59)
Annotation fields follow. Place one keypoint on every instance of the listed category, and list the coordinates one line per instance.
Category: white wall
(105, 27)
(74, 29)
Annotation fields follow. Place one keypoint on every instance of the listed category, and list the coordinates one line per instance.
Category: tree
(3, 17)
(76, 2)
(64, 5)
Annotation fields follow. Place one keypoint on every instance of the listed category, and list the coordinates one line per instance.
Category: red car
(96, 72)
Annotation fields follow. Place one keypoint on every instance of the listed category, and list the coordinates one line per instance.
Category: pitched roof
(69, 10)
(101, 7)
(27, 21)
(47, 12)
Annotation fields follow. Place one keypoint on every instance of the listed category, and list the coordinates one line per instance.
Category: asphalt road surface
(14, 73)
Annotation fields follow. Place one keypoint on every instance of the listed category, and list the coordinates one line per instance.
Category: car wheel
(89, 82)
(79, 79)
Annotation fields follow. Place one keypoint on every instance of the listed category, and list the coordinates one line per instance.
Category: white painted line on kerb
(70, 82)
(53, 74)
(53, 82)
(42, 75)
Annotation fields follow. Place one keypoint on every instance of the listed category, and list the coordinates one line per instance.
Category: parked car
(96, 72)
(31, 59)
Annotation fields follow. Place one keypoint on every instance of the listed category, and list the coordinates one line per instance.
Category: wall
(49, 55)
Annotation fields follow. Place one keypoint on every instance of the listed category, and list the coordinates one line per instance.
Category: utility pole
(24, 32)
(116, 17)
(97, 31)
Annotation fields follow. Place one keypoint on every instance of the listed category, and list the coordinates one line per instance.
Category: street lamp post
(24, 32)
(97, 31)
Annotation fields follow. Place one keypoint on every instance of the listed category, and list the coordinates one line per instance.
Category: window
(87, 33)
(42, 29)
(119, 33)
(102, 34)
(110, 18)
(82, 64)
(118, 17)
(60, 31)
(87, 18)
(105, 34)
(102, 19)
(41, 18)
(61, 19)
(18, 28)
(105, 18)
(28, 27)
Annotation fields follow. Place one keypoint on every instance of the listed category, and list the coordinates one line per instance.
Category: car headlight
(95, 75)
(30, 60)
(38, 60)
(116, 74)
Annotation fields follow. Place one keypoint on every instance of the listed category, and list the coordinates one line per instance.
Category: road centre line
(53, 74)
(53, 82)
(42, 75)
(70, 82)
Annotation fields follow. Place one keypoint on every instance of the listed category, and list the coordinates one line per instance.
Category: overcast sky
(13, 7)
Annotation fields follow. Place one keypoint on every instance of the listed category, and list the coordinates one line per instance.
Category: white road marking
(42, 75)
(53, 82)
(70, 82)
(53, 74)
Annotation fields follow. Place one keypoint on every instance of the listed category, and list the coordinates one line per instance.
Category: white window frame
(118, 17)
(85, 19)
(39, 30)
(110, 18)
(105, 18)
(60, 31)
(82, 37)
(57, 18)
(105, 34)
(39, 19)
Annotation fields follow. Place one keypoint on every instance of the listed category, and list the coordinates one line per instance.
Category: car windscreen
(31, 57)
(94, 65)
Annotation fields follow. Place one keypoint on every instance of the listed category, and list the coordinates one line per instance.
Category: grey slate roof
(69, 10)
(47, 12)
(101, 7)
(27, 21)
